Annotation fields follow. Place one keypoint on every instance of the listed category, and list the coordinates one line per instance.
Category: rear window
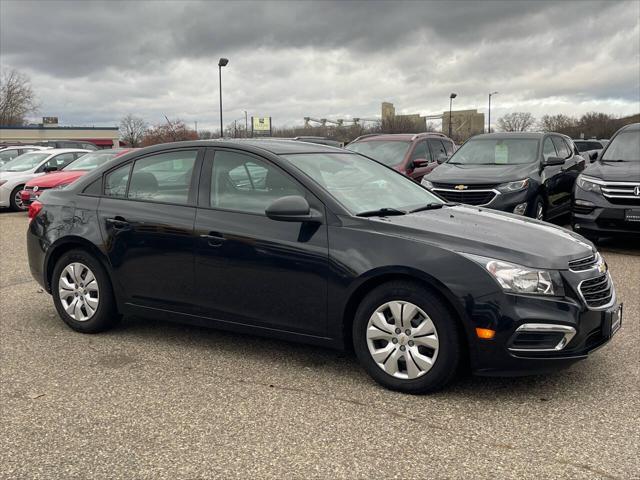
(389, 152)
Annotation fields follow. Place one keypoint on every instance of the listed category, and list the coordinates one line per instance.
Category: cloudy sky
(92, 63)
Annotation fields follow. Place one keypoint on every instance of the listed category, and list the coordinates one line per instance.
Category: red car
(69, 174)
(413, 154)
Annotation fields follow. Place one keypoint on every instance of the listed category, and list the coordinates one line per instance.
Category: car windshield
(24, 162)
(625, 147)
(496, 151)
(389, 152)
(360, 184)
(90, 161)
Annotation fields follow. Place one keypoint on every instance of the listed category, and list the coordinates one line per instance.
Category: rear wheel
(406, 338)
(82, 293)
(15, 201)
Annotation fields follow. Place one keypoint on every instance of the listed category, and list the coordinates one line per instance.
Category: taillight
(34, 209)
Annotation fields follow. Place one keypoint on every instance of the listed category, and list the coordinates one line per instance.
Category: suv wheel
(82, 293)
(406, 339)
(15, 200)
(539, 209)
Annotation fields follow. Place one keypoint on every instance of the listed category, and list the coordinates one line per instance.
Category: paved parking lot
(159, 400)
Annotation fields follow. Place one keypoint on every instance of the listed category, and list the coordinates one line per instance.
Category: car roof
(272, 145)
(54, 151)
(18, 147)
(514, 135)
(633, 127)
(406, 137)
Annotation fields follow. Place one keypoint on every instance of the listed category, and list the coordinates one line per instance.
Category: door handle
(118, 223)
(214, 239)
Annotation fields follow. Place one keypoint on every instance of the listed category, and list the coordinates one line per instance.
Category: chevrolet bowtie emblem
(636, 191)
(460, 187)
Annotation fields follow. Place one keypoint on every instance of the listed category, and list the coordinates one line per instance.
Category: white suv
(17, 172)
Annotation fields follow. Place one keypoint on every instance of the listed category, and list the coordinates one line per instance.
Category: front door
(251, 269)
(147, 217)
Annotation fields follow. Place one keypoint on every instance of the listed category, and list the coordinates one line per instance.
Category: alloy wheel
(402, 340)
(17, 199)
(540, 211)
(79, 292)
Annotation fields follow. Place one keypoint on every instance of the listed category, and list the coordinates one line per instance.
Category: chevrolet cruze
(319, 245)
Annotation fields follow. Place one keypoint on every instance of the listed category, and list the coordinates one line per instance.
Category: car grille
(479, 197)
(583, 264)
(40, 189)
(597, 292)
(622, 192)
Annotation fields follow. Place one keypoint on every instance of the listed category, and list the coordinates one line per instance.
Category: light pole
(451, 97)
(246, 125)
(492, 93)
(221, 63)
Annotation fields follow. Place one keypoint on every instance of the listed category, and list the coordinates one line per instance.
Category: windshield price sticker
(501, 153)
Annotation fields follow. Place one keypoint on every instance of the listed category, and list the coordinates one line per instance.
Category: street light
(451, 97)
(492, 93)
(221, 63)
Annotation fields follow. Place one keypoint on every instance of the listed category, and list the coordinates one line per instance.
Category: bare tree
(172, 131)
(17, 99)
(516, 122)
(558, 123)
(132, 130)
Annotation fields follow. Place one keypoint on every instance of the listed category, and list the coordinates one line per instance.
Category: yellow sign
(261, 124)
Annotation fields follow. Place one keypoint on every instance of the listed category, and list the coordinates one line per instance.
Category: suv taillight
(34, 209)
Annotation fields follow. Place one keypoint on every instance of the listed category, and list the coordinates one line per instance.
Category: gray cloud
(92, 62)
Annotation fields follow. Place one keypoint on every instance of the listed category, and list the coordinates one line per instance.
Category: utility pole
(246, 124)
(221, 63)
(489, 126)
(451, 97)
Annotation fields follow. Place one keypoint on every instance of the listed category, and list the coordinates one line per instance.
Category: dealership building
(102, 137)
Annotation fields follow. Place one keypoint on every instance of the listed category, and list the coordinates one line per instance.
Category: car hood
(472, 174)
(490, 233)
(614, 171)
(56, 178)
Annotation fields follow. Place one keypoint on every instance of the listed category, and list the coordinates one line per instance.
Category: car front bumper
(5, 195)
(592, 328)
(593, 214)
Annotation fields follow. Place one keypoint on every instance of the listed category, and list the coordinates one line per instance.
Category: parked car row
(326, 246)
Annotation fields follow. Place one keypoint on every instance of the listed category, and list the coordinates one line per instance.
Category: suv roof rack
(365, 136)
(426, 134)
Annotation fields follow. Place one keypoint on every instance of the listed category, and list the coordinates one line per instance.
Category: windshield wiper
(612, 160)
(428, 206)
(381, 212)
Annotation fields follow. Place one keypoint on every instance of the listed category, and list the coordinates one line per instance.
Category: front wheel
(15, 200)
(539, 209)
(82, 293)
(406, 338)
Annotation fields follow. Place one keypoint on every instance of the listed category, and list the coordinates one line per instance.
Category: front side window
(548, 150)
(165, 177)
(437, 149)
(389, 152)
(561, 147)
(360, 184)
(59, 161)
(246, 184)
(625, 147)
(8, 155)
(25, 162)
(496, 151)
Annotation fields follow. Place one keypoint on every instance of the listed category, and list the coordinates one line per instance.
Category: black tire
(539, 203)
(449, 353)
(106, 315)
(12, 200)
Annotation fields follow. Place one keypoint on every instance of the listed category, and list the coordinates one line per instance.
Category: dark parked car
(607, 194)
(528, 174)
(413, 155)
(589, 149)
(324, 246)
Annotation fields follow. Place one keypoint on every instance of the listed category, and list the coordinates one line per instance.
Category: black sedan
(315, 244)
(530, 174)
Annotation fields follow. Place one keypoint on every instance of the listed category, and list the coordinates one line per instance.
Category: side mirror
(420, 162)
(593, 156)
(551, 161)
(50, 168)
(292, 208)
(441, 158)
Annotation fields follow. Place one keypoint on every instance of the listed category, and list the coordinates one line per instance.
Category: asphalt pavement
(160, 400)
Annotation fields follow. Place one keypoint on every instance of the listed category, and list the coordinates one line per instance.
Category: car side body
(304, 278)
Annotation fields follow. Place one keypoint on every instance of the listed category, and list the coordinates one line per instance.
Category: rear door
(568, 172)
(251, 269)
(147, 216)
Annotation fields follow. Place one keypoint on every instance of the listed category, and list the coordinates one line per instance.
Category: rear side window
(437, 149)
(448, 146)
(561, 147)
(94, 187)
(115, 183)
(8, 155)
(165, 177)
(421, 151)
(548, 150)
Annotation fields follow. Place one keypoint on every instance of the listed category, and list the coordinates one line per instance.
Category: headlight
(518, 279)
(588, 184)
(514, 186)
(59, 187)
(426, 183)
